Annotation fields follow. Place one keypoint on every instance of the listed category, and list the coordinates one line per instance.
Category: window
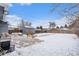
(1, 12)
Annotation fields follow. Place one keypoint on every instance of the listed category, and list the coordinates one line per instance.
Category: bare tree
(24, 23)
(37, 27)
(41, 27)
(57, 27)
(52, 25)
(61, 27)
(21, 24)
(65, 26)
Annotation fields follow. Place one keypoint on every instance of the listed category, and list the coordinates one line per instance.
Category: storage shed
(28, 29)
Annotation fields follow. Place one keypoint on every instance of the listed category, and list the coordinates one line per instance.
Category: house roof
(2, 22)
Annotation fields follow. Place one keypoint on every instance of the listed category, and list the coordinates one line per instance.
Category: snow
(64, 29)
(52, 44)
(28, 27)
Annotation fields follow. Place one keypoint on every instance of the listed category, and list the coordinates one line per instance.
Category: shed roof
(28, 27)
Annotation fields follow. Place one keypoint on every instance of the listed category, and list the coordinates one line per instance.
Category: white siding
(3, 28)
(25, 30)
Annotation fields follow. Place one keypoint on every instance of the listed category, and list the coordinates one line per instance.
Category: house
(12, 29)
(3, 23)
(4, 43)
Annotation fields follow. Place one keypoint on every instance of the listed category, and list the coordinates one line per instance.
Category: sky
(37, 12)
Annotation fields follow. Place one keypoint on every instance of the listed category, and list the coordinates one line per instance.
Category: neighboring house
(3, 23)
(4, 42)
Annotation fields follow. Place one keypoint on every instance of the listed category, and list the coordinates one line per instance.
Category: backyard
(52, 44)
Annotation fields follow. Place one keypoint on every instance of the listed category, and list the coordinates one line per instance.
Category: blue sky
(33, 11)
(38, 12)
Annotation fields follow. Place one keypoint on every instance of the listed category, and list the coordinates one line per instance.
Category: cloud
(10, 5)
(28, 4)
(21, 4)
(45, 23)
(13, 20)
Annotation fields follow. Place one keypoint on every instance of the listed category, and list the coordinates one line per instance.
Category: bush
(77, 32)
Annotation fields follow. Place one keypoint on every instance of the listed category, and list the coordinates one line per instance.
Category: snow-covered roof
(64, 29)
(3, 40)
(38, 29)
(28, 27)
(11, 27)
(3, 22)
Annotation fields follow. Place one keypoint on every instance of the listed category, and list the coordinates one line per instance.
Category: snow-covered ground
(53, 44)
